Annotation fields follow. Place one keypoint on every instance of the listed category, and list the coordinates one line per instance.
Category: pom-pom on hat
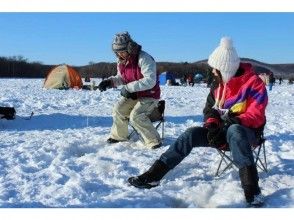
(225, 59)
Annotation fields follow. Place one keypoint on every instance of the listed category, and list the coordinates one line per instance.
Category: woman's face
(123, 54)
(217, 75)
(214, 71)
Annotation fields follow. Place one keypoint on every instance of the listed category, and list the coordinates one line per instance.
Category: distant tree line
(103, 70)
(20, 67)
(97, 70)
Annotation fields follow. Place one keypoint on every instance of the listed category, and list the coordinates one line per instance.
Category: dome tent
(63, 77)
(198, 77)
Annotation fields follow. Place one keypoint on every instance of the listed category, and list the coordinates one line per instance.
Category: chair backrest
(158, 113)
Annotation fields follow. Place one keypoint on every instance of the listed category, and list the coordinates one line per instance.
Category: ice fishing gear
(7, 113)
(30, 117)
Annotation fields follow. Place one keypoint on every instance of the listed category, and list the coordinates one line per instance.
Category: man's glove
(104, 85)
(216, 135)
(125, 93)
(230, 118)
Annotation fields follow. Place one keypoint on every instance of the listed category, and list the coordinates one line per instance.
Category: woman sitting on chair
(233, 115)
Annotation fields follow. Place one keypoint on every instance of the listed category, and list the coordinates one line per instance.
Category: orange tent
(63, 77)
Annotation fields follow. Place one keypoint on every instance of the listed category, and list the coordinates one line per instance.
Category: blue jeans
(238, 137)
(270, 86)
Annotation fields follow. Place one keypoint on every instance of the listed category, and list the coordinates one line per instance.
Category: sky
(77, 38)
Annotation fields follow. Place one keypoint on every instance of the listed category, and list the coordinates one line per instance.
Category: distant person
(271, 81)
(209, 79)
(140, 93)
(87, 79)
(280, 80)
(190, 80)
(183, 80)
(233, 117)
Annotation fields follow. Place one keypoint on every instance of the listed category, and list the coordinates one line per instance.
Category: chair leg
(219, 165)
(162, 128)
(132, 133)
(264, 157)
(162, 131)
(228, 160)
(259, 163)
(157, 126)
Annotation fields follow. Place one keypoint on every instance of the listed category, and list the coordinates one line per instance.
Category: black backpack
(7, 112)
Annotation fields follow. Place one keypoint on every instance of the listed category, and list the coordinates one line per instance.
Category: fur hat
(121, 41)
(225, 59)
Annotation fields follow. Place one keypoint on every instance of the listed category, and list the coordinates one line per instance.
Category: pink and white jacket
(138, 75)
(244, 95)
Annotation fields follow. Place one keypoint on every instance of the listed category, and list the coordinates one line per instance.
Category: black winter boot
(150, 178)
(112, 141)
(249, 181)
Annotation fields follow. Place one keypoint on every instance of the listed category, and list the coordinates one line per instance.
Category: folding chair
(258, 151)
(156, 117)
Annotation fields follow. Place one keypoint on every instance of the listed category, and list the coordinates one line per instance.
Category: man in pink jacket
(136, 72)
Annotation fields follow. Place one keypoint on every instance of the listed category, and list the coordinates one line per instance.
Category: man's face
(123, 54)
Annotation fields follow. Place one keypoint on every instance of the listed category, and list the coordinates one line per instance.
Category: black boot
(150, 178)
(112, 141)
(249, 181)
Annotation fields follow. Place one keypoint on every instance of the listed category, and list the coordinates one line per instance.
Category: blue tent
(198, 77)
(165, 76)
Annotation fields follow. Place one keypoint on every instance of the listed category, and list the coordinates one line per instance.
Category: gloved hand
(212, 113)
(125, 93)
(216, 135)
(230, 118)
(104, 85)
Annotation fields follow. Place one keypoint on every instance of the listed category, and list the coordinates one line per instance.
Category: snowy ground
(60, 158)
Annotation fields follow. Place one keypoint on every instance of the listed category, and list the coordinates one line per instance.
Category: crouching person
(140, 93)
(233, 115)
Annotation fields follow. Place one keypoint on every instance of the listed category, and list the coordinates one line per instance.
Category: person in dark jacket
(272, 81)
(234, 114)
(140, 92)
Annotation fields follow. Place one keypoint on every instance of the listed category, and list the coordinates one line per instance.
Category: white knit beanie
(225, 59)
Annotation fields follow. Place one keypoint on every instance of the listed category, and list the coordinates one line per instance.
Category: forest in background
(20, 67)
